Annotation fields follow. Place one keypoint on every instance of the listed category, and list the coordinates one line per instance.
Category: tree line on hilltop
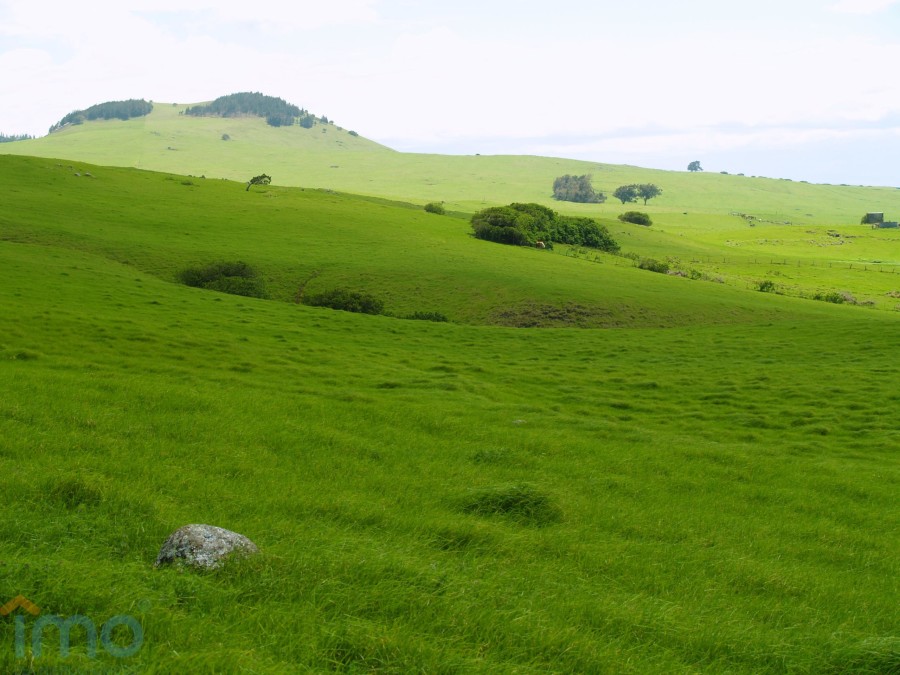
(276, 111)
(118, 110)
(10, 138)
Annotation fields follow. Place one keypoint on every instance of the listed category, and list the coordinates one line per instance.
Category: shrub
(525, 224)
(236, 278)
(427, 316)
(347, 301)
(765, 286)
(654, 265)
(435, 207)
(636, 217)
(838, 298)
(833, 297)
(251, 288)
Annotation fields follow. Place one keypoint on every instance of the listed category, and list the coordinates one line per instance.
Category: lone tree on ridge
(695, 166)
(262, 179)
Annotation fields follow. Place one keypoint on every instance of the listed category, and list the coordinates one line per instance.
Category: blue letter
(64, 625)
(20, 636)
(137, 638)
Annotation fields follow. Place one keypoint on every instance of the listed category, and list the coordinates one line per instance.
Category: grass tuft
(521, 502)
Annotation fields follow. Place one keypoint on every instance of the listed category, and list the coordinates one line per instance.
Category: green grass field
(671, 476)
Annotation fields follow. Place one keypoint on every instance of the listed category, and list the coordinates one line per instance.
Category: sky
(800, 89)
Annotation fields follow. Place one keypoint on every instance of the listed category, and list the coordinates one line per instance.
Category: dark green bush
(347, 301)
(426, 316)
(251, 288)
(237, 278)
(525, 224)
(765, 286)
(500, 235)
(636, 217)
(654, 265)
(435, 207)
(520, 502)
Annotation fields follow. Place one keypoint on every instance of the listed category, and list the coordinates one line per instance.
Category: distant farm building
(873, 218)
(876, 220)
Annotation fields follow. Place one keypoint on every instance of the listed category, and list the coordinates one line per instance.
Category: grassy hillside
(805, 239)
(710, 487)
(308, 241)
(413, 259)
(328, 157)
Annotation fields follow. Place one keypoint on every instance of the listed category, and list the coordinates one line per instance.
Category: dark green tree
(648, 191)
(576, 189)
(695, 166)
(626, 193)
(262, 179)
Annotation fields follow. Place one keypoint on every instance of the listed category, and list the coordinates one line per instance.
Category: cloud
(863, 6)
(106, 18)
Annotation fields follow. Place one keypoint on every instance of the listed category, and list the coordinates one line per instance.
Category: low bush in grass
(520, 502)
(347, 301)
(427, 316)
(435, 207)
(654, 265)
(236, 278)
(765, 286)
(636, 217)
(837, 297)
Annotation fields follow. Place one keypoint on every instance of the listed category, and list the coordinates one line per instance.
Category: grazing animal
(540, 244)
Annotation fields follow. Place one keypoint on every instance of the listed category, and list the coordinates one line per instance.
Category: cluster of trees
(631, 193)
(527, 224)
(277, 111)
(111, 110)
(576, 189)
(14, 137)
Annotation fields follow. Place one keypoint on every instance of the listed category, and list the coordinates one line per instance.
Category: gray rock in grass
(203, 546)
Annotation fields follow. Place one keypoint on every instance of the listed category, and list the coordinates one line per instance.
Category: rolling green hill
(319, 240)
(329, 157)
(707, 483)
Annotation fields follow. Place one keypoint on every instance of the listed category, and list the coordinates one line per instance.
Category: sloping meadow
(438, 497)
(302, 243)
(710, 487)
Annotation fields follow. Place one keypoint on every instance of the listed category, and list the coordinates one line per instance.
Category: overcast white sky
(803, 89)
